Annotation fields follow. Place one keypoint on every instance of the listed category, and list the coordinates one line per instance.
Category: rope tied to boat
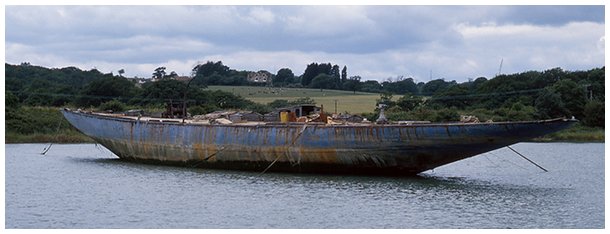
(45, 150)
(208, 157)
(291, 144)
(529, 160)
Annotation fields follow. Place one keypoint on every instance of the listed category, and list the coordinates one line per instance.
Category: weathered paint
(378, 149)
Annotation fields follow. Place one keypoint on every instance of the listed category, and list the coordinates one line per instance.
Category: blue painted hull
(368, 149)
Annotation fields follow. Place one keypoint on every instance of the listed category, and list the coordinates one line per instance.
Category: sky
(374, 42)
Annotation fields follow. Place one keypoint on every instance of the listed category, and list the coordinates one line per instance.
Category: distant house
(259, 77)
(138, 81)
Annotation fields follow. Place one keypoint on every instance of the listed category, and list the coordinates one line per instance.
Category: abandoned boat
(355, 148)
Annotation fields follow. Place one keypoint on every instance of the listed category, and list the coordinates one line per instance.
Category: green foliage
(323, 81)
(453, 96)
(435, 86)
(572, 95)
(522, 96)
(386, 99)
(402, 86)
(216, 73)
(314, 69)
(408, 103)
(209, 68)
(446, 115)
(284, 76)
(259, 108)
(39, 124)
(371, 86)
(161, 91)
(352, 84)
(159, 73)
(576, 133)
(39, 86)
(11, 101)
(112, 105)
(423, 114)
(520, 112)
(28, 120)
(107, 88)
(278, 103)
(594, 114)
(549, 105)
(202, 109)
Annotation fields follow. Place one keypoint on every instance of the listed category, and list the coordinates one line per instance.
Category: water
(85, 186)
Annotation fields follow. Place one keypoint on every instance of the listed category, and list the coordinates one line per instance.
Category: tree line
(521, 96)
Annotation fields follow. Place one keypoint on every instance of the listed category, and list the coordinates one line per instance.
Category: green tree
(11, 101)
(278, 103)
(372, 86)
(284, 76)
(323, 81)
(334, 73)
(112, 105)
(311, 71)
(352, 84)
(456, 96)
(594, 114)
(520, 112)
(209, 68)
(409, 103)
(108, 88)
(315, 69)
(159, 73)
(434, 86)
(401, 86)
(572, 95)
(386, 99)
(161, 92)
(549, 105)
(446, 115)
(203, 72)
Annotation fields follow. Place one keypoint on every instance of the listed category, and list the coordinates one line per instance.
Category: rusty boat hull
(388, 149)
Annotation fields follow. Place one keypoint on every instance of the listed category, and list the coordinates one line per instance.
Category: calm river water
(85, 186)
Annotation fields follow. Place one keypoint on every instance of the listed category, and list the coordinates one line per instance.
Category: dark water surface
(85, 186)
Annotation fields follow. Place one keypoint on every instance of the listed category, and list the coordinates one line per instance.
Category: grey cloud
(406, 39)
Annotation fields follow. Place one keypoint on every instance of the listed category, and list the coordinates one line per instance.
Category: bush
(549, 105)
(113, 105)
(11, 101)
(278, 103)
(398, 115)
(259, 108)
(447, 115)
(520, 112)
(196, 110)
(594, 114)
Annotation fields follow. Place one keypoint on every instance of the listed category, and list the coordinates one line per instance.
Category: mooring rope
(45, 150)
(291, 144)
(527, 159)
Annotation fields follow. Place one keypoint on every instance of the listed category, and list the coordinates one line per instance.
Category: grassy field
(346, 101)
